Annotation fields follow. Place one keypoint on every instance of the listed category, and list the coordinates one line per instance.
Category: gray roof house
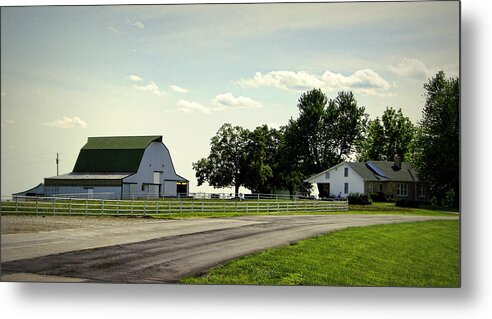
(395, 180)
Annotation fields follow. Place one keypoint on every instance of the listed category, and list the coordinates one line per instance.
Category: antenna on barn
(57, 161)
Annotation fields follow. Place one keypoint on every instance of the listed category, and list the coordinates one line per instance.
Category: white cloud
(188, 107)
(3, 93)
(364, 81)
(134, 78)
(228, 101)
(137, 24)
(178, 89)
(412, 68)
(67, 122)
(112, 29)
(150, 87)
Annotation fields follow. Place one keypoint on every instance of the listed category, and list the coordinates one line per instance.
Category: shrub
(359, 199)
(377, 197)
(407, 203)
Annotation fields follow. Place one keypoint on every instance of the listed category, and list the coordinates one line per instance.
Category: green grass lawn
(419, 254)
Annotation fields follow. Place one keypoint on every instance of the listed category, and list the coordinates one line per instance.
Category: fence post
(131, 205)
(157, 207)
(102, 206)
(54, 208)
(16, 203)
(86, 205)
(145, 205)
(70, 206)
(37, 210)
(117, 207)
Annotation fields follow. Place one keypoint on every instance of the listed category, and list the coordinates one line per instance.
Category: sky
(181, 71)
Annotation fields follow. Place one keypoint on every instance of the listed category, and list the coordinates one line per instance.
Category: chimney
(397, 162)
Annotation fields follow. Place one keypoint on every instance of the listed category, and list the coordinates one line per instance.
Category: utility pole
(57, 161)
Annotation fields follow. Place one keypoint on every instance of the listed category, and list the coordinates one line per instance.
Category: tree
(373, 146)
(437, 151)
(262, 149)
(390, 136)
(324, 134)
(345, 125)
(226, 164)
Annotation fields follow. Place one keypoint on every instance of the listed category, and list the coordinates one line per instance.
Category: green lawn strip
(418, 254)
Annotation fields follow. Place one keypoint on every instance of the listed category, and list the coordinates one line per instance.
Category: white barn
(120, 167)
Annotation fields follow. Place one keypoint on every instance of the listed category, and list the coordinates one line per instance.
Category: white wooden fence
(74, 206)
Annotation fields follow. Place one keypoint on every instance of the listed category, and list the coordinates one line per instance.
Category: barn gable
(113, 154)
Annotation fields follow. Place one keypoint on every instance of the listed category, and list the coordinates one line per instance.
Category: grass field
(419, 254)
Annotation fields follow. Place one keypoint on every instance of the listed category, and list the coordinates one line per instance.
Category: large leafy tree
(261, 165)
(226, 165)
(324, 134)
(385, 138)
(437, 151)
(345, 124)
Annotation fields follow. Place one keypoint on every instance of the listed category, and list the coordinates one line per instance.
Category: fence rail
(75, 206)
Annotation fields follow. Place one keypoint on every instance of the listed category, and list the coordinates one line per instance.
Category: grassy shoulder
(420, 254)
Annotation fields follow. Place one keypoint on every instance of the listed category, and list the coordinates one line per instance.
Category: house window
(381, 188)
(370, 188)
(421, 190)
(345, 172)
(346, 188)
(327, 175)
(402, 190)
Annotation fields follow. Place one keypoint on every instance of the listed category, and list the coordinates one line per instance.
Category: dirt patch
(32, 224)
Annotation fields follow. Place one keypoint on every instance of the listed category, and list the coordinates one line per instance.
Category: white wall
(80, 190)
(170, 188)
(337, 181)
(155, 158)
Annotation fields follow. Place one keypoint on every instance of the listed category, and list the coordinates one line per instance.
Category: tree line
(329, 131)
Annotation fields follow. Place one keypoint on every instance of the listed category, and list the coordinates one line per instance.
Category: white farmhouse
(392, 180)
(120, 167)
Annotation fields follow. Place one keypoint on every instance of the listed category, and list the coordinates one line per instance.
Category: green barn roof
(113, 154)
(120, 142)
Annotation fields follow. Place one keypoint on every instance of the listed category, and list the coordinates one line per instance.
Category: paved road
(164, 251)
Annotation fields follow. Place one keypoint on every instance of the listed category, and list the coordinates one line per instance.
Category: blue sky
(182, 71)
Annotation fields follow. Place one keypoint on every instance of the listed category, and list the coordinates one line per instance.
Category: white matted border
(35, 300)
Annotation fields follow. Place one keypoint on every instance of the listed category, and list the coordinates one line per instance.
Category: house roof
(385, 171)
(113, 154)
(379, 171)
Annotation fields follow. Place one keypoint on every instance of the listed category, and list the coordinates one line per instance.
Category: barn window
(346, 171)
(346, 188)
(327, 175)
